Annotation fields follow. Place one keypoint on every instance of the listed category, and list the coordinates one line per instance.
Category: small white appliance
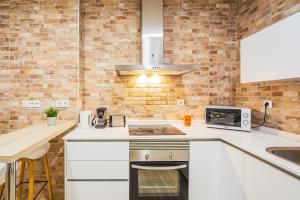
(85, 118)
(228, 117)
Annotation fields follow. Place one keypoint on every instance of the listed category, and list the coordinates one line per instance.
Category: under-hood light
(155, 79)
(142, 79)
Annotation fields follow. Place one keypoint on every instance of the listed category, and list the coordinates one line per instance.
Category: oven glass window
(158, 183)
(224, 117)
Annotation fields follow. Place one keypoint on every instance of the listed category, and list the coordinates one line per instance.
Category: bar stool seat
(31, 158)
(39, 153)
(2, 177)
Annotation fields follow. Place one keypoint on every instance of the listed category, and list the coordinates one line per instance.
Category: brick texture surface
(50, 50)
(195, 32)
(39, 48)
(285, 115)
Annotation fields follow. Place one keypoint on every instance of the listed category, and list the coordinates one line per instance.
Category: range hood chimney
(152, 45)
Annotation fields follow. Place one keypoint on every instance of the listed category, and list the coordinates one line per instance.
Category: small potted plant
(51, 116)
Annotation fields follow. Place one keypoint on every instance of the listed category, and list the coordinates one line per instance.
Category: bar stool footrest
(36, 181)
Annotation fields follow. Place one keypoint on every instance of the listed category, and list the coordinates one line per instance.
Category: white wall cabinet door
(264, 182)
(231, 173)
(98, 190)
(272, 53)
(204, 170)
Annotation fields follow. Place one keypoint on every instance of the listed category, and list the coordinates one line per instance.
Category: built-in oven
(159, 170)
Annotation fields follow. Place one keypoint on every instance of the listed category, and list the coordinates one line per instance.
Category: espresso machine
(101, 120)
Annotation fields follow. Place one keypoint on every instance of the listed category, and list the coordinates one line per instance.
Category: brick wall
(197, 32)
(253, 16)
(39, 60)
(4, 66)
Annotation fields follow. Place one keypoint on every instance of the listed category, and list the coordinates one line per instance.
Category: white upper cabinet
(273, 53)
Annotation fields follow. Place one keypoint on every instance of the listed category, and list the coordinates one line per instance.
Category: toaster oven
(228, 117)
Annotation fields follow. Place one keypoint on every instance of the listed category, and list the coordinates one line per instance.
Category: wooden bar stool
(31, 159)
(2, 178)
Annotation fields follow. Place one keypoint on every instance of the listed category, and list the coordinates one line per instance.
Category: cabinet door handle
(159, 168)
(97, 180)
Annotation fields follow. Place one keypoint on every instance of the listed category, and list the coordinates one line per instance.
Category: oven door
(159, 180)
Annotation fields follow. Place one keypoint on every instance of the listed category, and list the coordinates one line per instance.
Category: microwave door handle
(159, 168)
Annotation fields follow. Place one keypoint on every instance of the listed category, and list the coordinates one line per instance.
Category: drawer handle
(159, 168)
(98, 180)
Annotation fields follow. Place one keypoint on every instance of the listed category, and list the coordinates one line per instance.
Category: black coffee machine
(101, 120)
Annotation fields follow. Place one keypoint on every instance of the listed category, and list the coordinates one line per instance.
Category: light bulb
(155, 79)
(142, 79)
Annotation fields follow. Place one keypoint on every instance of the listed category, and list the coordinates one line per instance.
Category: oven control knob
(147, 157)
(171, 156)
(245, 122)
(246, 115)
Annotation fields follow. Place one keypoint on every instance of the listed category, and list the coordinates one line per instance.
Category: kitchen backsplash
(197, 32)
(285, 114)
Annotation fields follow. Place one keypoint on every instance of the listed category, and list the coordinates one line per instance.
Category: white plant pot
(51, 121)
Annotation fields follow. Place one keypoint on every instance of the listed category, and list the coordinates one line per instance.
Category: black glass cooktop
(161, 129)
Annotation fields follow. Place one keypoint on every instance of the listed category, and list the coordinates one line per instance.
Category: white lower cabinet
(221, 172)
(231, 173)
(97, 170)
(204, 170)
(217, 171)
(98, 190)
(264, 182)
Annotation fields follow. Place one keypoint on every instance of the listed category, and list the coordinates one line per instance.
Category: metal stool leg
(20, 191)
(10, 189)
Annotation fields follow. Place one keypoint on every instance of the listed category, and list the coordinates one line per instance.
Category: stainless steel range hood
(152, 45)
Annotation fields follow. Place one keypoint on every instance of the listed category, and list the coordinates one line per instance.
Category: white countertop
(254, 142)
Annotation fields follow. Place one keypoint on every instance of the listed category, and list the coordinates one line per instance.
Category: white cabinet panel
(204, 170)
(93, 190)
(97, 170)
(97, 150)
(263, 182)
(231, 173)
(273, 53)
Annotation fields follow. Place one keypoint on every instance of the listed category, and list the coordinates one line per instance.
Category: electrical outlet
(31, 104)
(180, 102)
(270, 103)
(62, 103)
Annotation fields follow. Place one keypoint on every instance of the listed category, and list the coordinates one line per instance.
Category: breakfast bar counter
(19, 143)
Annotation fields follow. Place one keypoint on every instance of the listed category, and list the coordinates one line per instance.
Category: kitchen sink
(288, 153)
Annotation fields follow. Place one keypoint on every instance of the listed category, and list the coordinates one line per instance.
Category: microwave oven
(228, 117)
